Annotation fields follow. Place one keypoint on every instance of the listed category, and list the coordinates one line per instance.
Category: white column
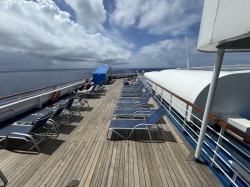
(210, 98)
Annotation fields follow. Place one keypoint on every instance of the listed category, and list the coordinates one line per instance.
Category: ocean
(16, 81)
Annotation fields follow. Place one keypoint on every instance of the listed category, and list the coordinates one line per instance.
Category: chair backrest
(37, 124)
(140, 88)
(158, 114)
(96, 88)
(91, 88)
(58, 111)
(69, 103)
(145, 99)
(144, 94)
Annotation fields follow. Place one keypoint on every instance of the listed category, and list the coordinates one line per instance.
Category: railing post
(222, 130)
(210, 98)
(19, 98)
(170, 103)
(161, 95)
(185, 118)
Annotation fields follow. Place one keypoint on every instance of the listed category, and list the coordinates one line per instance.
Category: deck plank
(81, 152)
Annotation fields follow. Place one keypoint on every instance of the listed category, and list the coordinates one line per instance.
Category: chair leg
(34, 142)
(126, 138)
(107, 136)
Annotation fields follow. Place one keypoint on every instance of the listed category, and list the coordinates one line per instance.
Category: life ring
(55, 96)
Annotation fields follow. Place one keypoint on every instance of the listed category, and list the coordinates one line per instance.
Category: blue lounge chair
(25, 132)
(142, 103)
(133, 90)
(69, 108)
(133, 112)
(136, 124)
(56, 112)
(131, 99)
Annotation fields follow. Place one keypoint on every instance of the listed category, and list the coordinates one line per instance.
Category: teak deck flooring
(81, 152)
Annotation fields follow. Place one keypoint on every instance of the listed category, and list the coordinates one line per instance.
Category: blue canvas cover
(103, 73)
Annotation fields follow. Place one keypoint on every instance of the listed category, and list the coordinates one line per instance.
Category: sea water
(17, 81)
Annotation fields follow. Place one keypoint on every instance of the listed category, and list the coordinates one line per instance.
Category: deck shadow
(92, 97)
(155, 136)
(47, 147)
(66, 129)
(77, 119)
(89, 109)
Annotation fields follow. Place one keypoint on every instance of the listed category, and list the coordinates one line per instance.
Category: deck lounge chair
(25, 132)
(131, 94)
(80, 102)
(133, 90)
(136, 124)
(133, 112)
(131, 99)
(134, 84)
(102, 86)
(56, 112)
(142, 103)
(69, 108)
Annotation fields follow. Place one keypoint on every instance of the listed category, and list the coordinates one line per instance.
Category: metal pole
(210, 98)
(187, 48)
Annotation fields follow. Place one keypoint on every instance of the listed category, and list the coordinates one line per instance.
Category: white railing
(19, 103)
(218, 150)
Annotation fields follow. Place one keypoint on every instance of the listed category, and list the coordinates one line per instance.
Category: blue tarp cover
(101, 69)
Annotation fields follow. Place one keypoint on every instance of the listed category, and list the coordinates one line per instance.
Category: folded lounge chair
(25, 132)
(136, 124)
(142, 103)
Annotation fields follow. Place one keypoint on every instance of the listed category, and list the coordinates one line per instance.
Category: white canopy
(225, 25)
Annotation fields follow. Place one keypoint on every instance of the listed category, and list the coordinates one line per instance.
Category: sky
(58, 34)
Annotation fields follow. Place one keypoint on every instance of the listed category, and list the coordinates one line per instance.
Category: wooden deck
(82, 152)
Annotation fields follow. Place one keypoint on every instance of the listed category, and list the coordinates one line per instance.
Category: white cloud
(169, 53)
(157, 16)
(41, 29)
(90, 13)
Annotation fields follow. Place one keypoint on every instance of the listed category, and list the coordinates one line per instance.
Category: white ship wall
(232, 94)
(11, 110)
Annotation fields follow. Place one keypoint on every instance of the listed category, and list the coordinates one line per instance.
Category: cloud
(171, 53)
(40, 29)
(157, 16)
(90, 13)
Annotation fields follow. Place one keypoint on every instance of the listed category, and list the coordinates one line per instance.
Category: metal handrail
(219, 121)
(211, 151)
(38, 89)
